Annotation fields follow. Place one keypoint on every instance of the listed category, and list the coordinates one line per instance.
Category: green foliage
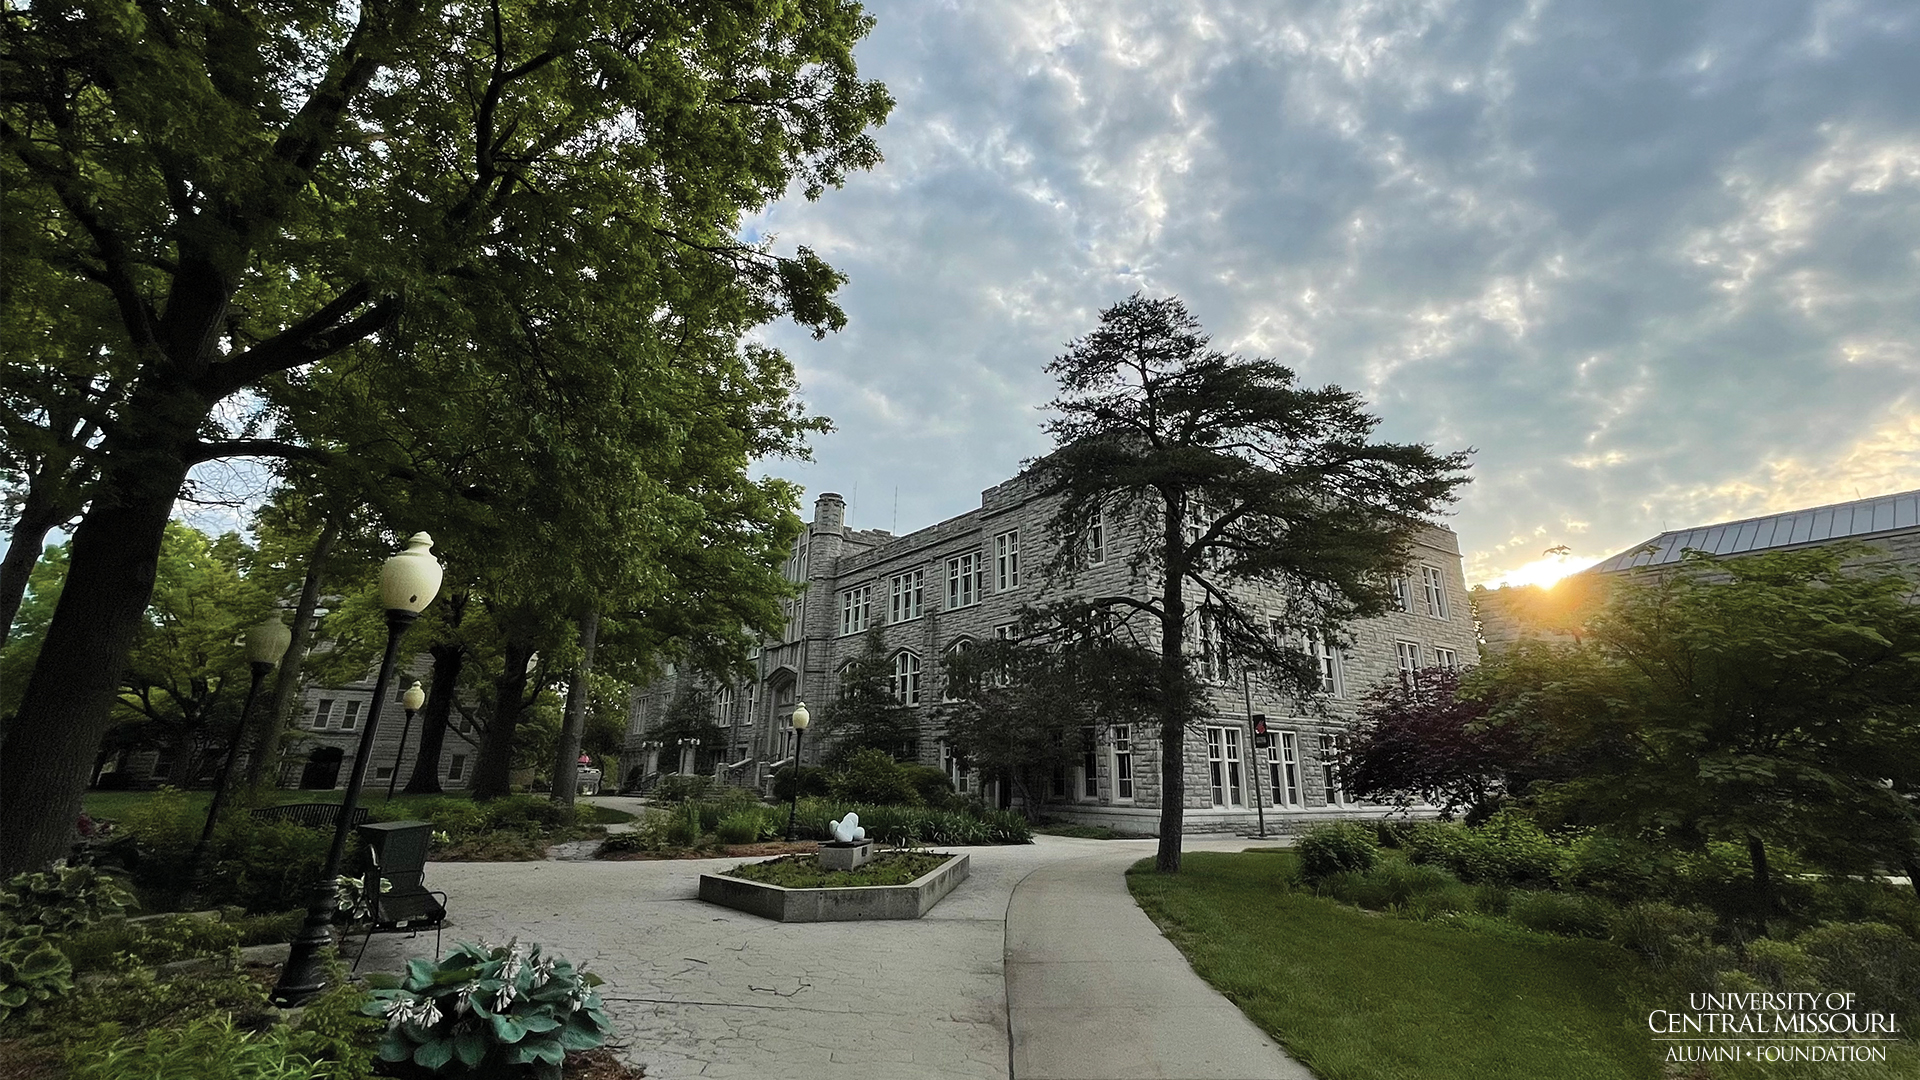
(743, 826)
(1567, 914)
(63, 900)
(138, 1000)
(805, 872)
(1765, 698)
(500, 1012)
(33, 971)
(529, 814)
(1333, 848)
(864, 717)
(675, 789)
(917, 824)
(120, 943)
(505, 845)
(1617, 868)
(205, 1048)
(1875, 961)
(933, 785)
(262, 866)
(1389, 883)
(813, 783)
(335, 1032)
(871, 776)
(1507, 849)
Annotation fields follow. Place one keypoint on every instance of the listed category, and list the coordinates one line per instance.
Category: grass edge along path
(1357, 996)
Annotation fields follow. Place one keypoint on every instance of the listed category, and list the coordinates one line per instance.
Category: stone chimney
(829, 511)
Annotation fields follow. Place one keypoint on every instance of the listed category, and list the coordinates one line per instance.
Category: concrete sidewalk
(1038, 966)
(1094, 992)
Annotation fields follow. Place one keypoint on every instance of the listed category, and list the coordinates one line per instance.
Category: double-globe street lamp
(265, 644)
(800, 718)
(410, 701)
(408, 582)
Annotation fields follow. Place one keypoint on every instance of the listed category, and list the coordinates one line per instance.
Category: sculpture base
(853, 856)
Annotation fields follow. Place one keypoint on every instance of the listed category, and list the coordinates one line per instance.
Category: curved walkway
(1038, 967)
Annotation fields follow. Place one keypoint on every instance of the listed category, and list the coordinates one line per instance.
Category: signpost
(1258, 721)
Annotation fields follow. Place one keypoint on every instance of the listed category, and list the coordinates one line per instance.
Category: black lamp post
(800, 718)
(266, 644)
(408, 582)
(410, 701)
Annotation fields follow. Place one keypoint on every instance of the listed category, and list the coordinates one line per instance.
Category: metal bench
(311, 815)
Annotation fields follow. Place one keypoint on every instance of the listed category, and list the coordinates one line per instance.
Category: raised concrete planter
(781, 904)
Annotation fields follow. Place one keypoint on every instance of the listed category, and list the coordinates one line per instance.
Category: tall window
(1213, 647)
(1283, 767)
(1436, 588)
(906, 596)
(1446, 658)
(1097, 539)
(352, 720)
(856, 610)
(905, 683)
(955, 767)
(1006, 561)
(1409, 656)
(950, 687)
(1326, 664)
(1223, 765)
(456, 766)
(964, 584)
(1089, 764)
(723, 705)
(322, 713)
(1402, 593)
(1122, 748)
(1331, 747)
(1004, 632)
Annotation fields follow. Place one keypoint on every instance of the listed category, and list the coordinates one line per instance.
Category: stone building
(329, 723)
(965, 580)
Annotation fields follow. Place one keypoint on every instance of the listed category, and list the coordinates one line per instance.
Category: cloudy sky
(1659, 262)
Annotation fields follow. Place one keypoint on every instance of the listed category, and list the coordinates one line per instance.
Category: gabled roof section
(1858, 519)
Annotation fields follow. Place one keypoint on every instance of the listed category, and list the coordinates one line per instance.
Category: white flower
(504, 998)
(510, 967)
(418, 1011)
(542, 971)
(464, 1000)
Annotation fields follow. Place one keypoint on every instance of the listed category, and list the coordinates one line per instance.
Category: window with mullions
(1213, 648)
(1402, 594)
(965, 580)
(1096, 546)
(950, 684)
(352, 720)
(1006, 561)
(906, 596)
(1436, 590)
(1446, 658)
(1089, 764)
(856, 610)
(1331, 747)
(1223, 766)
(1283, 767)
(905, 681)
(1407, 653)
(1120, 745)
(1326, 664)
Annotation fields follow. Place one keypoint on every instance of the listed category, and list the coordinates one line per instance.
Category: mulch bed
(730, 851)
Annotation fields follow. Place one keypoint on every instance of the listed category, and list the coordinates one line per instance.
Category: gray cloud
(1657, 262)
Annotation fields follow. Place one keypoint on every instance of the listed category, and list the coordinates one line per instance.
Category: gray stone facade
(969, 592)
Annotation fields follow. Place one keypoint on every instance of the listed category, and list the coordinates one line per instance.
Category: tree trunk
(29, 538)
(263, 731)
(490, 777)
(1912, 863)
(574, 722)
(1173, 709)
(448, 659)
(65, 711)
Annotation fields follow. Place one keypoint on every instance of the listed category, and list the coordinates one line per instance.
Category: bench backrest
(312, 815)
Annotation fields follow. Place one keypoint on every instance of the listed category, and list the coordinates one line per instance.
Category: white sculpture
(847, 830)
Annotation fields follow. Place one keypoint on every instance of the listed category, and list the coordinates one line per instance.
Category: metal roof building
(1862, 519)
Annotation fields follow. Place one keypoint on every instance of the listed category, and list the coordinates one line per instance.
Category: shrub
(723, 804)
(1781, 965)
(1875, 961)
(1567, 914)
(933, 785)
(813, 783)
(1662, 934)
(1508, 849)
(507, 845)
(871, 776)
(122, 944)
(526, 813)
(63, 900)
(675, 788)
(740, 827)
(1389, 884)
(334, 1031)
(1614, 867)
(33, 971)
(206, 1048)
(482, 1012)
(1333, 848)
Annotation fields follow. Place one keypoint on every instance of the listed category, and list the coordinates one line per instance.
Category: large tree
(864, 714)
(1230, 475)
(1768, 701)
(256, 193)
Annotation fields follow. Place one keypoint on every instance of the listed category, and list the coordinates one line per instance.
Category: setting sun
(1544, 571)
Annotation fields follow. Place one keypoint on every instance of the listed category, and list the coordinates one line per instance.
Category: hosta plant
(490, 1012)
(32, 971)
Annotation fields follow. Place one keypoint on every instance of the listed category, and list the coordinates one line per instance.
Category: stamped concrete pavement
(1043, 935)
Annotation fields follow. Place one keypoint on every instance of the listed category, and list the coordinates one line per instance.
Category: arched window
(905, 683)
(949, 680)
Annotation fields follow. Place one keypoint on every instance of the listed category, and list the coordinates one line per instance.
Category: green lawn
(1360, 996)
(117, 804)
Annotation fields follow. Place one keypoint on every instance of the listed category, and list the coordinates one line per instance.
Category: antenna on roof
(853, 503)
(896, 509)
